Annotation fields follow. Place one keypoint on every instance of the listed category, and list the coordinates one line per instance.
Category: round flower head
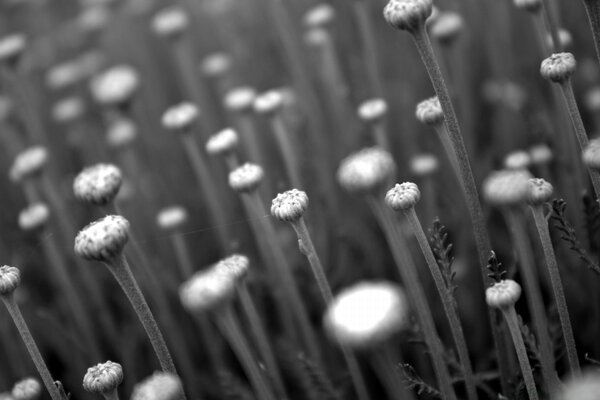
(373, 110)
(529, 5)
(407, 14)
(564, 37)
(10, 277)
(68, 109)
(98, 184)
(591, 154)
(27, 389)
(34, 217)
(216, 64)
(11, 48)
(222, 142)
(583, 387)
(180, 118)
(316, 37)
(447, 27)
(103, 378)
(289, 206)
(540, 154)
(159, 386)
(319, 16)
(170, 22)
(207, 290)
(517, 160)
(240, 99)
(103, 240)
(503, 294)
(558, 67)
(121, 132)
(116, 86)
(235, 266)
(429, 112)
(506, 187)
(366, 170)
(29, 162)
(403, 196)
(64, 75)
(367, 314)
(540, 191)
(424, 164)
(172, 218)
(246, 178)
(268, 103)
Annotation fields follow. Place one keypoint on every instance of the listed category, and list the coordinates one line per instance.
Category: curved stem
(34, 351)
(448, 302)
(410, 278)
(559, 295)
(232, 331)
(510, 315)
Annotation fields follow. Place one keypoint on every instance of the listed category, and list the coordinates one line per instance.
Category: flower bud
(407, 15)
(11, 48)
(558, 67)
(34, 217)
(68, 110)
(28, 163)
(446, 28)
(503, 294)
(591, 154)
(93, 18)
(581, 387)
(289, 206)
(367, 314)
(519, 159)
(223, 142)
(170, 22)
(540, 191)
(115, 86)
(159, 386)
(268, 103)
(403, 196)
(529, 5)
(373, 110)
(10, 277)
(246, 178)
(103, 377)
(366, 170)
(64, 75)
(180, 118)
(98, 184)
(172, 218)
(319, 16)
(207, 290)
(429, 112)
(216, 64)
(27, 389)
(506, 187)
(122, 132)
(103, 240)
(235, 266)
(540, 154)
(240, 99)
(424, 164)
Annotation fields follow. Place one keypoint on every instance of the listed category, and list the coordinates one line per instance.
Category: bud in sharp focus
(289, 206)
(103, 240)
(558, 67)
(540, 191)
(429, 112)
(10, 277)
(503, 294)
(103, 378)
(403, 196)
(407, 14)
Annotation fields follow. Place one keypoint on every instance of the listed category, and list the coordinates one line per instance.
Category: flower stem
(290, 156)
(559, 295)
(371, 60)
(182, 254)
(592, 7)
(510, 315)
(34, 351)
(112, 395)
(410, 278)
(448, 302)
(387, 371)
(552, 26)
(231, 329)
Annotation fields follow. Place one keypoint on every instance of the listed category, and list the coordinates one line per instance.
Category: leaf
(495, 268)
(414, 382)
(438, 238)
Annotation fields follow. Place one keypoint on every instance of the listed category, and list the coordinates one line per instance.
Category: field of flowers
(300, 199)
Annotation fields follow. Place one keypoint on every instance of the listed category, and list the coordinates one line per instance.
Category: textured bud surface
(246, 178)
(180, 117)
(367, 314)
(159, 386)
(506, 187)
(34, 216)
(172, 217)
(372, 110)
(290, 205)
(429, 112)
(27, 389)
(115, 86)
(503, 294)
(240, 99)
(104, 239)
(207, 290)
(98, 184)
(28, 162)
(10, 277)
(540, 191)
(268, 102)
(170, 22)
(403, 196)
(103, 377)
(424, 164)
(446, 27)
(235, 266)
(591, 154)
(366, 170)
(407, 14)
(558, 67)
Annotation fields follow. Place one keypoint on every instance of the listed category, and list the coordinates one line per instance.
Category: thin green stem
(182, 253)
(442, 133)
(559, 295)
(231, 329)
(552, 26)
(289, 153)
(410, 278)
(371, 60)
(380, 136)
(592, 8)
(34, 351)
(308, 249)
(538, 19)
(448, 302)
(510, 315)
(579, 129)
(387, 371)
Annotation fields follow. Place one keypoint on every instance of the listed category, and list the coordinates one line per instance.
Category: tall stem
(387, 370)
(592, 7)
(559, 295)
(448, 302)
(232, 331)
(510, 315)
(552, 26)
(182, 254)
(288, 152)
(370, 57)
(406, 267)
(34, 352)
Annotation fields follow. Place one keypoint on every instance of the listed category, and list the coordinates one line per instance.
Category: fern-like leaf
(530, 344)
(438, 238)
(414, 382)
(495, 267)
